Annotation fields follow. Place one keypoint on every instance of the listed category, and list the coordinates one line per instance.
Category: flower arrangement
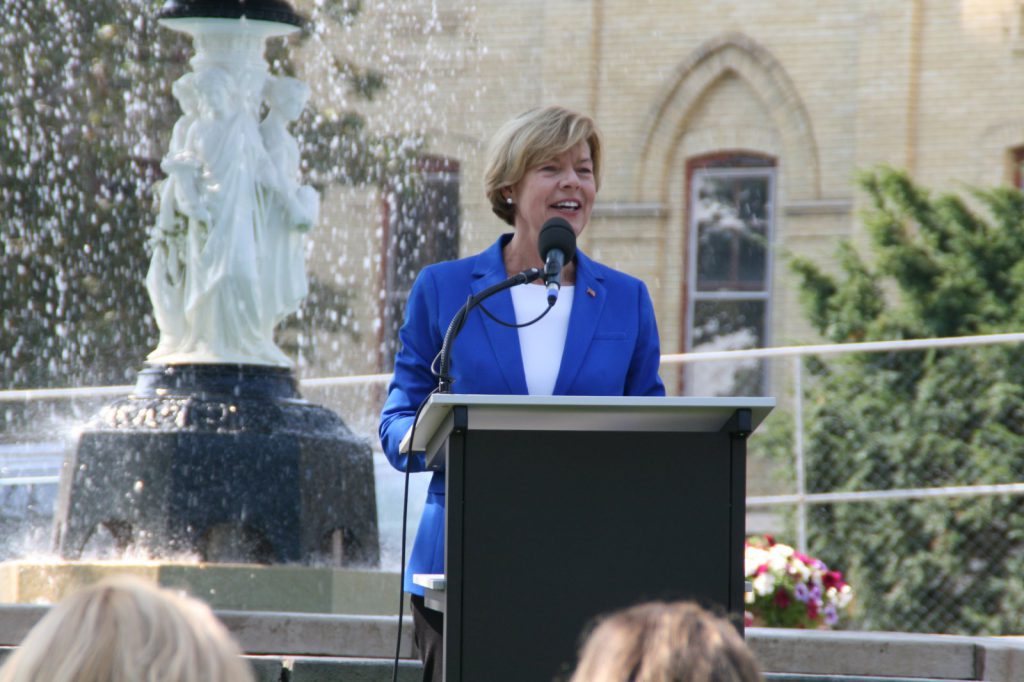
(791, 590)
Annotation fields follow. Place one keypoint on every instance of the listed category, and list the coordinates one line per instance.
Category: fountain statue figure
(228, 257)
(290, 210)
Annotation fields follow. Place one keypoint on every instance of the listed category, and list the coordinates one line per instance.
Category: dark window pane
(727, 325)
(423, 228)
(731, 215)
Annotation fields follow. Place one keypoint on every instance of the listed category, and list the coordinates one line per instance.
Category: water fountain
(215, 456)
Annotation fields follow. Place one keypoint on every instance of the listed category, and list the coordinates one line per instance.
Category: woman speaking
(599, 338)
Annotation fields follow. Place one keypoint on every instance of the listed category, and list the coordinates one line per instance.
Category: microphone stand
(444, 382)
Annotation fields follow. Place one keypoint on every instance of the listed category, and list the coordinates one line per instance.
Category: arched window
(730, 212)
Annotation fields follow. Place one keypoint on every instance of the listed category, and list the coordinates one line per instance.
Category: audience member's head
(124, 629)
(665, 642)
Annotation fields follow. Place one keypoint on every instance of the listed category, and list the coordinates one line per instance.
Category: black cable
(516, 326)
(405, 524)
(444, 380)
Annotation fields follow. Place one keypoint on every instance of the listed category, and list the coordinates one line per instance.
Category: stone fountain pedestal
(220, 463)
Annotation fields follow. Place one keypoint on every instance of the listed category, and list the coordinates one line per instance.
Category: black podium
(565, 507)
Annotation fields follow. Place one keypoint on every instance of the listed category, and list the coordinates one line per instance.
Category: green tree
(940, 266)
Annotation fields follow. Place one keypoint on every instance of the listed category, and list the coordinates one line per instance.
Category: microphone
(557, 245)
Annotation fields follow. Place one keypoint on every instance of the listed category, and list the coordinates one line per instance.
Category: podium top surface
(584, 413)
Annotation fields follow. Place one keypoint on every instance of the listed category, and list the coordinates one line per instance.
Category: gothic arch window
(731, 215)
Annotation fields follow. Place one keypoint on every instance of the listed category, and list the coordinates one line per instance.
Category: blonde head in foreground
(665, 642)
(124, 629)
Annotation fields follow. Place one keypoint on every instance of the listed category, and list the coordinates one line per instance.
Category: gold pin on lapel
(591, 293)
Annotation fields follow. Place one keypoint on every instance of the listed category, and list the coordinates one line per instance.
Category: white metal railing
(801, 498)
(26, 395)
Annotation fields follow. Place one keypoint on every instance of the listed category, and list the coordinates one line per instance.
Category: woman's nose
(570, 178)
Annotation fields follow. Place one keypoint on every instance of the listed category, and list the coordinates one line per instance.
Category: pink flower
(812, 610)
(832, 579)
(781, 598)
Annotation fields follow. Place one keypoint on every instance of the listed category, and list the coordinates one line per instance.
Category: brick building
(734, 131)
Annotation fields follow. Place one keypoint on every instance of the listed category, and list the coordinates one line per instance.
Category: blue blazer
(611, 349)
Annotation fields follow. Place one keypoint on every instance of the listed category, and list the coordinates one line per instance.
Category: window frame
(737, 164)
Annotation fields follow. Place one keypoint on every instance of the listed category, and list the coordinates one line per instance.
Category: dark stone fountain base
(226, 462)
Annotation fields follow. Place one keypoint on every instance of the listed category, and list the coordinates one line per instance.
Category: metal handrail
(25, 395)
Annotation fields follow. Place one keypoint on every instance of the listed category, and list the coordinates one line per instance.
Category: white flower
(752, 559)
(764, 584)
(802, 570)
(845, 596)
(782, 550)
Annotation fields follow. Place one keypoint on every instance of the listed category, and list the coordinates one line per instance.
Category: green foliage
(922, 419)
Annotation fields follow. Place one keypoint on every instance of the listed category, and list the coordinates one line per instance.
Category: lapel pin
(591, 293)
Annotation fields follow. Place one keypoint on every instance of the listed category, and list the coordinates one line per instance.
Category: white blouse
(542, 343)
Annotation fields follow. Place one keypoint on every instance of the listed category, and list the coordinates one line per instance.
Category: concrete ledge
(320, 669)
(888, 655)
(288, 634)
(16, 620)
(350, 670)
(307, 634)
(323, 669)
(796, 677)
(358, 648)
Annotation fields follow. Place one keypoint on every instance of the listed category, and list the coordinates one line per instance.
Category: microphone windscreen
(557, 233)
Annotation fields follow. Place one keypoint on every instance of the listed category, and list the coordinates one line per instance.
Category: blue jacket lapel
(587, 304)
(504, 341)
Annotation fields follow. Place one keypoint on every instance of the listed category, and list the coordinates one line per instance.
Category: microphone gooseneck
(557, 246)
(455, 326)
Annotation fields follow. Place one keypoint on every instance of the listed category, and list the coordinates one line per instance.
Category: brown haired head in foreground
(665, 642)
(124, 629)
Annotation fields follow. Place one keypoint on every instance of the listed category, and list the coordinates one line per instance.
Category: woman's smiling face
(564, 186)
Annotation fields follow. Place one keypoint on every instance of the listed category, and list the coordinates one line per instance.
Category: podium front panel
(548, 529)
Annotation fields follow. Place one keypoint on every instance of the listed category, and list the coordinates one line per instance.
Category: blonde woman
(124, 629)
(666, 642)
(600, 337)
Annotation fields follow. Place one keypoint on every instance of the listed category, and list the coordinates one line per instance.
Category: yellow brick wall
(828, 87)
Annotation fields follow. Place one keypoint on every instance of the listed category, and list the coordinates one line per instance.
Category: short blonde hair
(123, 629)
(666, 642)
(532, 138)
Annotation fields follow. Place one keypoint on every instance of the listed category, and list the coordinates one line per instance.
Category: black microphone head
(558, 234)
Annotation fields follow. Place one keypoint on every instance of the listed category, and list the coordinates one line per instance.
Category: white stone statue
(288, 209)
(228, 260)
(166, 277)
